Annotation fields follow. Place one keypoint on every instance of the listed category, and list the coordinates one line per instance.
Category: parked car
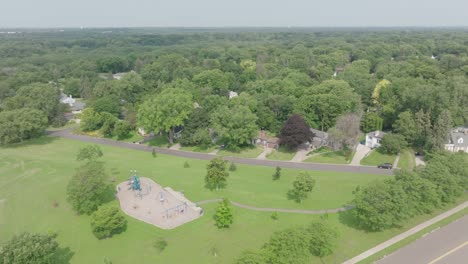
(387, 166)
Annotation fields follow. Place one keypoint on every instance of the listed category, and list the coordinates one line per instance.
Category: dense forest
(413, 82)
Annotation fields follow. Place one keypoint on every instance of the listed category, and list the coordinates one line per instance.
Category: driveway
(361, 152)
(205, 156)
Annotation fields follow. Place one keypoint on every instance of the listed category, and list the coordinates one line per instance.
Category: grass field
(375, 158)
(336, 157)
(33, 176)
(281, 154)
(249, 152)
(407, 161)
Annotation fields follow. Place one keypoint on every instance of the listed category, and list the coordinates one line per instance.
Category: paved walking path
(361, 152)
(206, 156)
(265, 153)
(397, 159)
(281, 210)
(406, 234)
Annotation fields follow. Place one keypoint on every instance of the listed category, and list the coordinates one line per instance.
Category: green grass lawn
(199, 149)
(281, 154)
(159, 141)
(407, 161)
(248, 152)
(336, 157)
(33, 176)
(375, 158)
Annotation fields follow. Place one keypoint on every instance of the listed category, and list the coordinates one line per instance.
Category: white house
(457, 140)
(64, 99)
(232, 94)
(373, 138)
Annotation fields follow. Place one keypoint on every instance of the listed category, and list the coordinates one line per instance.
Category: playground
(145, 200)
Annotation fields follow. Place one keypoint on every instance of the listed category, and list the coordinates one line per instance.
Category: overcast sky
(232, 13)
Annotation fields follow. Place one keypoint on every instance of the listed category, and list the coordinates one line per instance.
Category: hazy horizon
(230, 14)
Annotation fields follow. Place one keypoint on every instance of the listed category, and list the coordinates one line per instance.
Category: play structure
(147, 201)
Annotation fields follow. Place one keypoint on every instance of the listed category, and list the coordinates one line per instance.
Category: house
(338, 70)
(266, 141)
(457, 140)
(120, 75)
(64, 99)
(320, 138)
(373, 139)
(232, 94)
(76, 107)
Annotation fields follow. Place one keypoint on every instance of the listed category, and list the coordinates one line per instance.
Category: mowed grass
(248, 152)
(34, 176)
(407, 161)
(336, 157)
(375, 158)
(281, 154)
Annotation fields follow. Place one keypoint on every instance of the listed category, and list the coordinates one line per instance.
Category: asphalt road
(447, 245)
(204, 156)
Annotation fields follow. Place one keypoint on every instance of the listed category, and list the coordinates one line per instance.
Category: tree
(109, 104)
(217, 81)
(44, 97)
(290, 246)
(28, 248)
(441, 129)
(381, 205)
(122, 129)
(87, 189)
(196, 128)
(236, 126)
(371, 122)
(216, 174)
(392, 144)
(277, 173)
(107, 221)
(323, 239)
(18, 125)
(302, 186)
(90, 120)
(295, 132)
(406, 126)
(223, 216)
(89, 153)
(166, 111)
(345, 134)
(72, 86)
(108, 123)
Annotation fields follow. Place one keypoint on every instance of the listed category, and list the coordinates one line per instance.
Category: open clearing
(34, 176)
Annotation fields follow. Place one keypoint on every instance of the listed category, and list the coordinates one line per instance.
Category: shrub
(277, 173)
(107, 221)
(232, 167)
(160, 244)
(223, 216)
(392, 144)
(186, 164)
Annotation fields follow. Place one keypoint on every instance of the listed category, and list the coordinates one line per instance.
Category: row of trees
(386, 204)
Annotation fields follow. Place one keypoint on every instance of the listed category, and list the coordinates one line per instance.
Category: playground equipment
(179, 209)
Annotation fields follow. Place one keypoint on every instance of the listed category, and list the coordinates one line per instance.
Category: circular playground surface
(153, 204)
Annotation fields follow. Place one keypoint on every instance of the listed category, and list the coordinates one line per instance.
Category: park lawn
(281, 154)
(199, 149)
(33, 176)
(335, 157)
(407, 161)
(247, 152)
(375, 158)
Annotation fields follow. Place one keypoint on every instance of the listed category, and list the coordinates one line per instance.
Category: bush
(274, 215)
(186, 164)
(277, 173)
(323, 239)
(122, 129)
(160, 244)
(107, 221)
(90, 120)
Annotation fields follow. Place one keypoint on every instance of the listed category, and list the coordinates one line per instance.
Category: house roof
(376, 134)
(77, 106)
(319, 133)
(459, 133)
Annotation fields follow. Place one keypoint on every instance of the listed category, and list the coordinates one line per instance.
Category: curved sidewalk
(406, 234)
(280, 210)
(204, 156)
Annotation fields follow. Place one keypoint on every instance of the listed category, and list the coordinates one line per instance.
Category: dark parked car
(387, 166)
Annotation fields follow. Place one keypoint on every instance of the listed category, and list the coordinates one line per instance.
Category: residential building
(373, 138)
(457, 140)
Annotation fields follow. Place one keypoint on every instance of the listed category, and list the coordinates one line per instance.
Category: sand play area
(153, 204)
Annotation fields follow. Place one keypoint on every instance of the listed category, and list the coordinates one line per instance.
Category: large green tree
(216, 174)
(21, 124)
(165, 111)
(88, 188)
(290, 246)
(302, 186)
(323, 239)
(236, 126)
(107, 221)
(28, 248)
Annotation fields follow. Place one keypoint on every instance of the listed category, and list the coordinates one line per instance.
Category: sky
(232, 13)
